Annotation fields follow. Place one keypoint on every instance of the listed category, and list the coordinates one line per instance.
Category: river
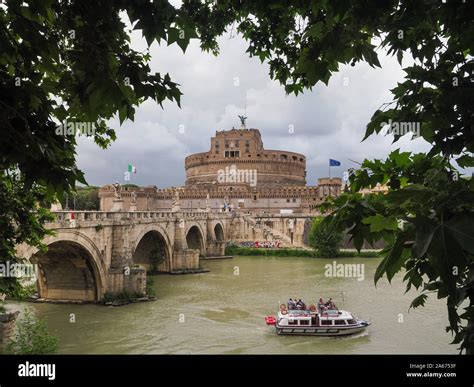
(222, 312)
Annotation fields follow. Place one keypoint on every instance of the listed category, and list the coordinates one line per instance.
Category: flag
(132, 168)
(334, 163)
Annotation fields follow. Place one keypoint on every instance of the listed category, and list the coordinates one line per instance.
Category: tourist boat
(316, 321)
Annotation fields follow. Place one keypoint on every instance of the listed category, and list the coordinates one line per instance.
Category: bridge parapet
(104, 216)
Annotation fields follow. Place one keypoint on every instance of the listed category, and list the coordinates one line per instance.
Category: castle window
(232, 154)
(287, 200)
(301, 159)
(295, 158)
(294, 200)
(284, 157)
(254, 197)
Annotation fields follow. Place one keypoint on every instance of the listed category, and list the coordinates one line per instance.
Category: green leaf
(465, 161)
(393, 262)
(123, 114)
(419, 301)
(468, 314)
(379, 222)
(462, 228)
(315, 31)
(173, 35)
(445, 254)
(425, 230)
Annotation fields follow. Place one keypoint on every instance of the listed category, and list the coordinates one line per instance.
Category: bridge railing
(80, 216)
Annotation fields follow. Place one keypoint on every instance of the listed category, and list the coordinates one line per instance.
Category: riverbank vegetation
(324, 239)
(293, 252)
(150, 286)
(32, 337)
(124, 296)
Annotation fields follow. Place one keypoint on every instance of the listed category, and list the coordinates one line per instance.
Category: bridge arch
(195, 238)
(219, 232)
(153, 248)
(71, 269)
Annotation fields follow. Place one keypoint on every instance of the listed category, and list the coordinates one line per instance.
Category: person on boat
(300, 304)
(330, 304)
(321, 305)
(291, 304)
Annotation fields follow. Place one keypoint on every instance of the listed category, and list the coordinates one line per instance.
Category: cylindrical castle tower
(237, 158)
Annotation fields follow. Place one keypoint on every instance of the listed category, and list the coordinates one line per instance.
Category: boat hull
(319, 331)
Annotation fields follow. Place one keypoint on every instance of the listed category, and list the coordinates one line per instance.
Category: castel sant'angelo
(236, 174)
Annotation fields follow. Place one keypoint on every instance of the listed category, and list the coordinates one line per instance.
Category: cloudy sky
(328, 122)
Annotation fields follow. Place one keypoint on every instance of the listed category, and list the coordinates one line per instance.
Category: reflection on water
(219, 312)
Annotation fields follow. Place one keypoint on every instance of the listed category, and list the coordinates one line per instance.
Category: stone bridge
(94, 252)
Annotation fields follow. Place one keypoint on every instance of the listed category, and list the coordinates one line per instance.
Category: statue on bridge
(133, 201)
(117, 202)
(176, 197)
(176, 205)
(117, 190)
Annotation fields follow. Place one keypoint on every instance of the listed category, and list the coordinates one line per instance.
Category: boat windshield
(331, 312)
(298, 312)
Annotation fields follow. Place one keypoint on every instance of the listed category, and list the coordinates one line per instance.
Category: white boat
(316, 321)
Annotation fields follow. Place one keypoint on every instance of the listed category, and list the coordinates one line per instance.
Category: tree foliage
(83, 198)
(32, 337)
(325, 238)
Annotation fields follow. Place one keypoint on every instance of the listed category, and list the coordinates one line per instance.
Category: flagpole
(329, 182)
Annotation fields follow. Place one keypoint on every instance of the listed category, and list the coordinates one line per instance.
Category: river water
(223, 312)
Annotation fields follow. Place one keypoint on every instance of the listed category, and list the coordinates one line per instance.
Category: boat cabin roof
(331, 314)
(335, 314)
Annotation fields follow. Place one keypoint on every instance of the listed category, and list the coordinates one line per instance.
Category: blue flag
(334, 163)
